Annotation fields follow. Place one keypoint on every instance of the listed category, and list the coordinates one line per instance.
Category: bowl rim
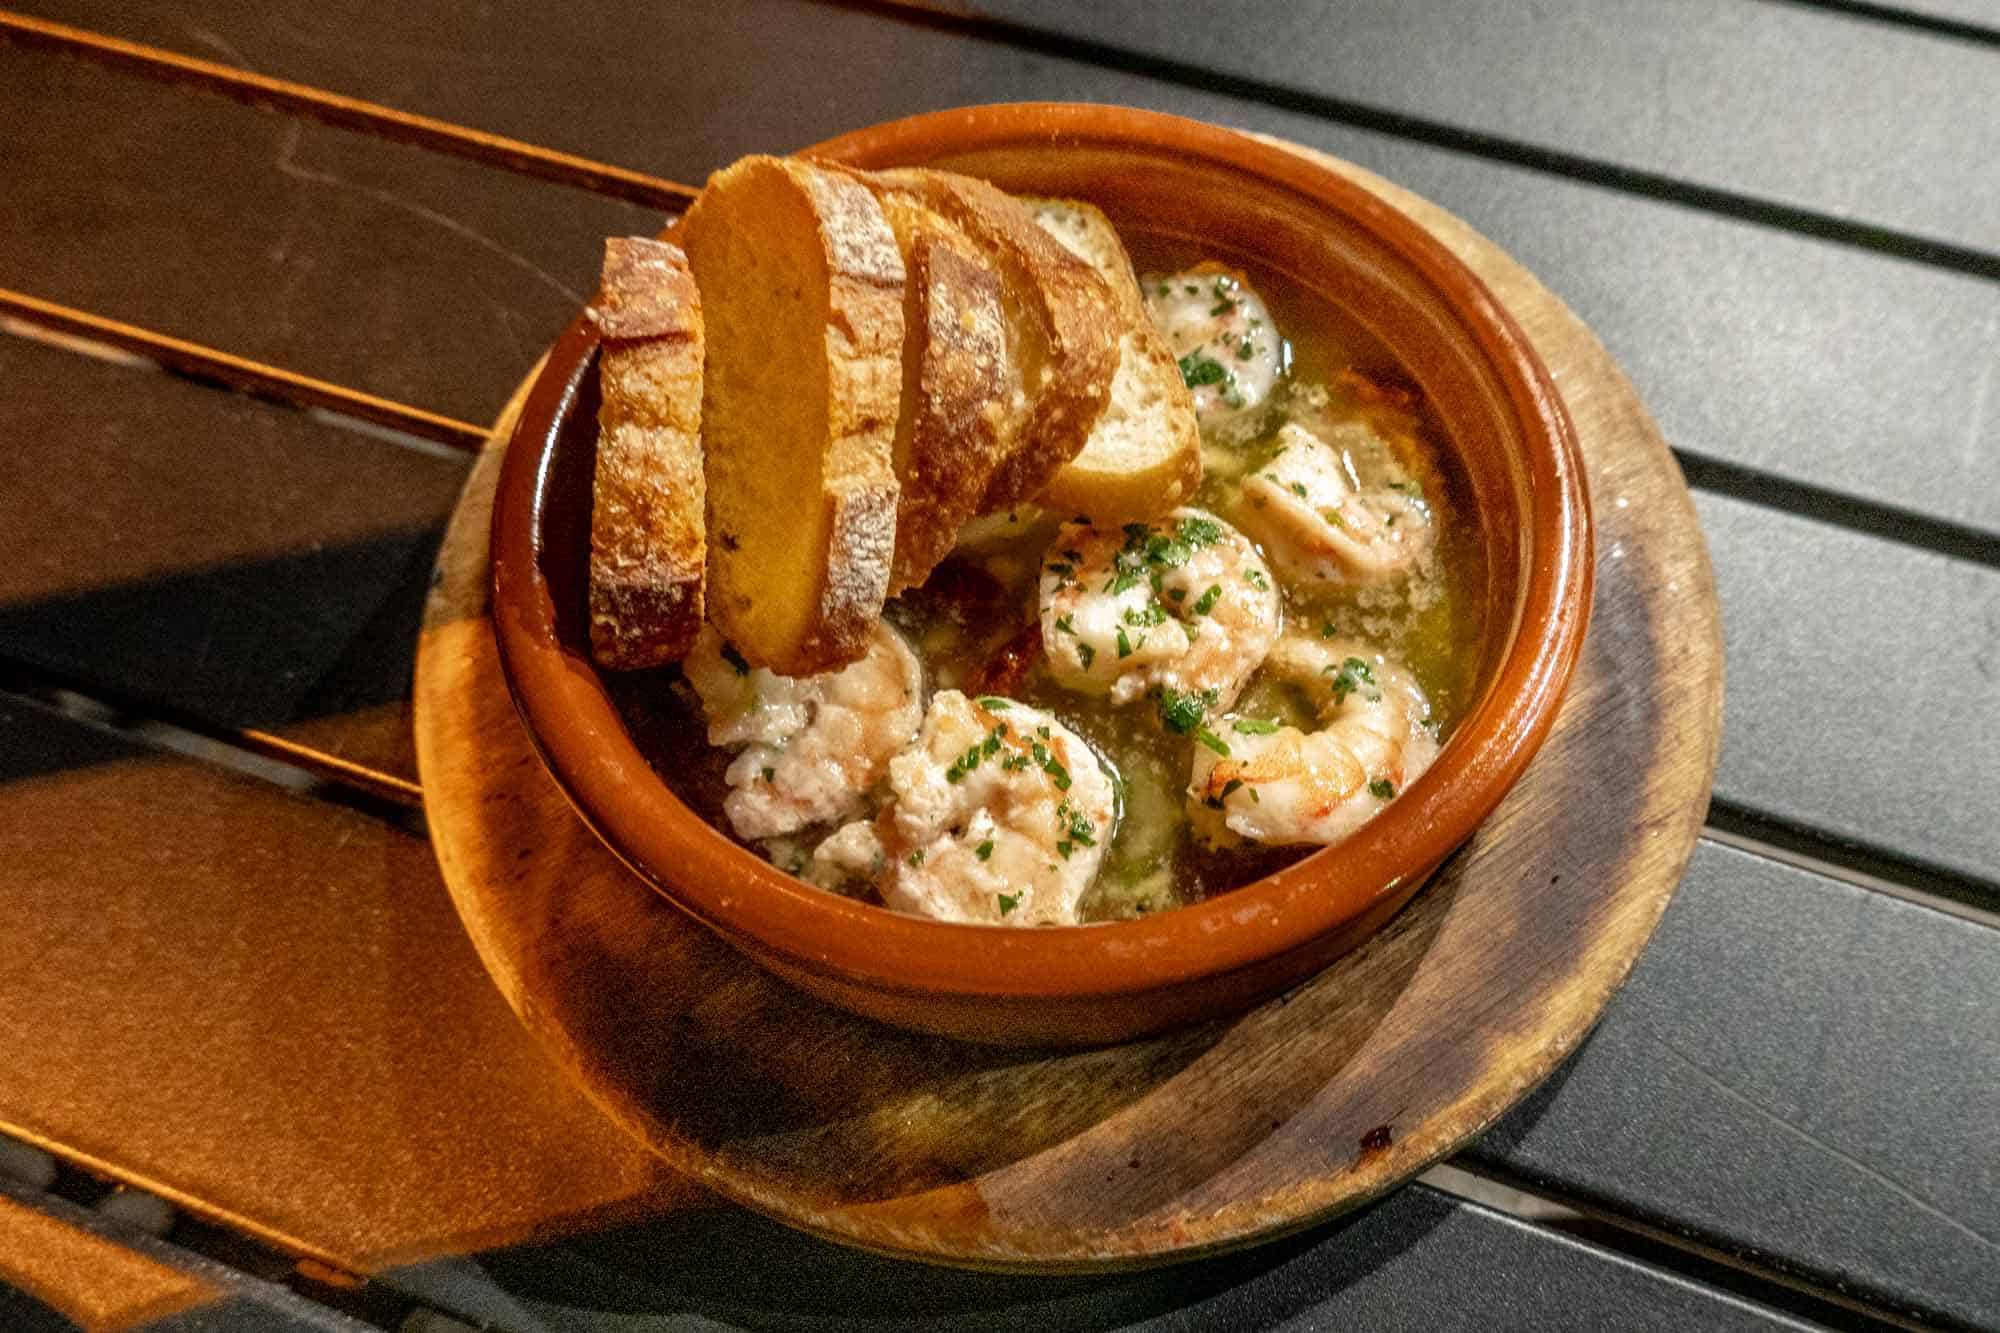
(582, 741)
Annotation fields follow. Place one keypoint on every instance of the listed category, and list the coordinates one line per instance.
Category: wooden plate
(1159, 1149)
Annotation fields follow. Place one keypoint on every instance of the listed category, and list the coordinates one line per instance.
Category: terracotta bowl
(1174, 179)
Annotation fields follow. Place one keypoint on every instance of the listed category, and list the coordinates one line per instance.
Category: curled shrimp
(1281, 784)
(998, 814)
(812, 746)
(1182, 605)
(1317, 520)
(1230, 353)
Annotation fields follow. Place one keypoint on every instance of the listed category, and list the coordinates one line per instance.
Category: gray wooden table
(252, 1070)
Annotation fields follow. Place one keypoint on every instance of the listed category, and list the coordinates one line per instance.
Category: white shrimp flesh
(1280, 784)
(998, 815)
(1319, 523)
(812, 746)
(1179, 606)
(1231, 354)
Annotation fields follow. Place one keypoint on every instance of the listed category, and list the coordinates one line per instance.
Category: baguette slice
(646, 545)
(959, 386)
(1062, 326)
(1144, 456)
(802, 288)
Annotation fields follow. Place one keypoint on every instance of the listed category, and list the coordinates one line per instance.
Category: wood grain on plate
(1197, 1140)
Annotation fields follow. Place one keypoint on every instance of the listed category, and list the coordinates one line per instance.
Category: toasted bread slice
(1144, 456)
(1062, 327)
(646, 547)
(959, 385)
(802, 289)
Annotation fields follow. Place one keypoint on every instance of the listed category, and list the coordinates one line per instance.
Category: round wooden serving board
(1159, 1149)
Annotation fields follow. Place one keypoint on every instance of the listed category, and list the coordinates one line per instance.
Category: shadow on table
(734, 1267)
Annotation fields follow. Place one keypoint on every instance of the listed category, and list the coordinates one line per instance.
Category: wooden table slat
(1862, 677)
(1804, 1071)
(398, 272)
(1854, 120)
(212, 556)
(63, 1267)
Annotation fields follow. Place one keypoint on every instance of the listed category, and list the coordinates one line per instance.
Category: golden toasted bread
(1062, 327)
(1144, 455)
(802, 289)
(646, 547)
(959, 385)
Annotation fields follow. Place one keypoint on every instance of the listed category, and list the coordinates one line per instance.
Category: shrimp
(1230, 352)
(1182, 605)
(812, 745)
(1309, 509)
(998, 814)
(1279, 784)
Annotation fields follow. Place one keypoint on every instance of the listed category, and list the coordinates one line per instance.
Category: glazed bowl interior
(1173, 181)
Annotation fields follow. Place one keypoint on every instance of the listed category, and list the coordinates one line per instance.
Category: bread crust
(1144, 454)
(958, 383)
(852, 328)
(1064, 323)
(647, 544)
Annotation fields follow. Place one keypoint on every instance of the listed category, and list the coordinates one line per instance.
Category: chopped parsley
(1413, 489)
(1255, 578)
(1124, 644)
(1243, 350)
(984, 850)
(1009, 901)
(1381, 789)
(993, 703)
(1352, 675)
(1182, 713)
(1198, 532)
(769, 774)
(1144, 617)
(1207, 600)
(1084, 654)
(1213, 742)
(917, 857)
(1222, 307)
(735, 659)
(1230, 787)
(1327, 629)
(1197, 370)
(1050, 765)
(1064, 624)
(975, 754)
(1254, 726)
(1298, 488)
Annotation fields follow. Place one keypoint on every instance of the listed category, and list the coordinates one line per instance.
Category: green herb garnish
(1207, 601)
(1352, 675)
(1254, 726)
(1009, 901)
(1213, 742)
(984, 850)
(1381, 789)
(1197, 370)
